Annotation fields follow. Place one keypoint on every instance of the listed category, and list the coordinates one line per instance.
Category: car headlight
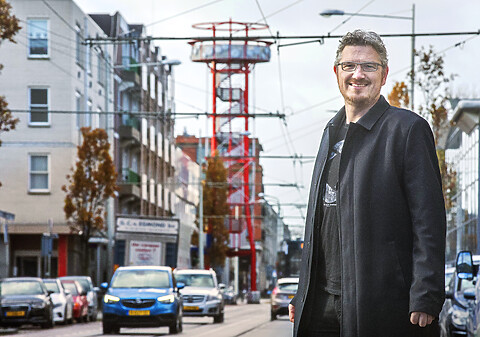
(110, 299)
(214, 298)
(166, 299)
(38, 305)
(459, 318)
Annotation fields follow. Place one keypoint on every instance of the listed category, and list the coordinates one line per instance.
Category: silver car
(62, 301)
(92, 297)
(201, 295)
(282, 294)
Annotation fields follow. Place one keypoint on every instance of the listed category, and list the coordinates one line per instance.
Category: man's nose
(358, 72)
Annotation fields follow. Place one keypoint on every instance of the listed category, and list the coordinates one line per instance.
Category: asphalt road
(246, 320)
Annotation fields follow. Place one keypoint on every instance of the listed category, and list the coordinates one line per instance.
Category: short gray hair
(362, 38)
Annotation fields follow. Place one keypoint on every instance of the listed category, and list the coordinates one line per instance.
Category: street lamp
(262, 195)
(337, 12)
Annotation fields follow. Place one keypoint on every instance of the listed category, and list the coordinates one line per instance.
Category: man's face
(359, 88)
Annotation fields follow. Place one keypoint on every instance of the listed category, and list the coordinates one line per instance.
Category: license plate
(291, 296)
(15, 313)
(189, 308)
(139, 313)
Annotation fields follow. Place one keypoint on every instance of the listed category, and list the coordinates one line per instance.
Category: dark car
(467, 270)
(142, 296)
(282, 294)
(80, 303)
(25, 300)
(92, 298)
(454, 314)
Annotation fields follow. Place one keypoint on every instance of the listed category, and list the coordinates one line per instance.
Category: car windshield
(84, 283)
(288, 287)
(196, 280)
(21, 288)
(141, 279)
(71, 287)
(52, 286)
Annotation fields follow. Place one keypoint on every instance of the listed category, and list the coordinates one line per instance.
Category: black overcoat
(392, 224)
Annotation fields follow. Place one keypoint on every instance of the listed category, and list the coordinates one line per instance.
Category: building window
(80, 48)
(39, 179)
(101, 69)
(78, 107)
(38, 102)
(37, 38)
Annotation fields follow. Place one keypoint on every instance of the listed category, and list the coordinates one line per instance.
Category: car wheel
(273, 316)
(177, 327)
(218, 318)
(50, 323)
(107, 328)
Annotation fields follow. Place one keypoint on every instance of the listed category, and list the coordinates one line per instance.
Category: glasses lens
(369, 67)
(349, 66)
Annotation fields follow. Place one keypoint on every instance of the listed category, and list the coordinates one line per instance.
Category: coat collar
(368, 120)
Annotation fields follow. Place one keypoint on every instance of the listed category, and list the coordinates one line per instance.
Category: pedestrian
(374, 253)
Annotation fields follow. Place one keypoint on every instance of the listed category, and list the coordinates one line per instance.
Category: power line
(264, 37)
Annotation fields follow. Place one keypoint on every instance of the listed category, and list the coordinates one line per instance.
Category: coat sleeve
(423, 188)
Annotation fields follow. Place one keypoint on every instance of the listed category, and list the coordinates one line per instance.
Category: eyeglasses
(368, 67)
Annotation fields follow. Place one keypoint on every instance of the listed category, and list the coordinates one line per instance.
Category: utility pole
(201, 263)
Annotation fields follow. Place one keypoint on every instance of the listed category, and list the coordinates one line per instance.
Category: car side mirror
(104, 286)
(464, 265)
(96, 289)
(221, 286)
(449, 294)
(67, 292)
(469, 294)
(50, 292)
(180, 285)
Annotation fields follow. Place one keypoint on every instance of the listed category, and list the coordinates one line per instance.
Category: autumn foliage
(215, 211)
(92, 182)
(8, 28)
(399, 95)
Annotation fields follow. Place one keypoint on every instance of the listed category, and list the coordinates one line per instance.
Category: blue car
(142, 296)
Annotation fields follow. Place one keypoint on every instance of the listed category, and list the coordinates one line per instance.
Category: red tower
(230, 62)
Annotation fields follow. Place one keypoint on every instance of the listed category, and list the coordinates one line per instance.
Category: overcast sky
(309, 92)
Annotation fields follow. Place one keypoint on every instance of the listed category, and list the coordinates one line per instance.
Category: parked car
(142, 296)
(467, 268)
(201, 295)
(25, 300)
(281, 296)
(92, 297)
(80, 303)
(62, 301)
(229, 295)
(453, 317)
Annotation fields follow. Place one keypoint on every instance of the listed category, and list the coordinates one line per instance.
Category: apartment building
(55, 85)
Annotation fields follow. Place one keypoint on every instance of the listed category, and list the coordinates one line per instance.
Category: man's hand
(421, 318)
(291, 312)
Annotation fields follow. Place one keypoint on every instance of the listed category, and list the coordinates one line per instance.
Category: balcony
(129, 184)
(130, 130)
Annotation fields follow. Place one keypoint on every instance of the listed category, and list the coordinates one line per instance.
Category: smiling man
(373, 259)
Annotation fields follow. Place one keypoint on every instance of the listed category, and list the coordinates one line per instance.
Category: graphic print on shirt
(330, 196)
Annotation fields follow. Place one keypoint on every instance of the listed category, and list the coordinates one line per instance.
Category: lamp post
(336, 12)
(279, 232)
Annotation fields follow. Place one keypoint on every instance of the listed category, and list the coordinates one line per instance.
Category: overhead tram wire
(108, 40)
(59, 16)
(182, 13)
(351, 16)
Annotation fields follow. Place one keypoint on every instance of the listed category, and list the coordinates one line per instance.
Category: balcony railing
(129, 176)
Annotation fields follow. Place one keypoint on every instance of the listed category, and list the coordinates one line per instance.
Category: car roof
(194, 271)
(163, 268)
(75, 277)
(288, 280)
(22, 279)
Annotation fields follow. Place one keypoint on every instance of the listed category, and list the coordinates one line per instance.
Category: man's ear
(335, 69)
(385, 73)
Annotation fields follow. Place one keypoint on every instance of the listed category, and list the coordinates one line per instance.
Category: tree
(91, 183)
(433, 83)
(215, 210)
(8, 28)
(399, 95)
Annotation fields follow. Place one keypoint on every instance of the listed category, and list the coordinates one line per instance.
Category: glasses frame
(361, 64)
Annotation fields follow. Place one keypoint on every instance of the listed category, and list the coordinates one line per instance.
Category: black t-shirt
(328, 251)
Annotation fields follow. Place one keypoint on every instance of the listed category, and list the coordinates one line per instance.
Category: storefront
(146, 241)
